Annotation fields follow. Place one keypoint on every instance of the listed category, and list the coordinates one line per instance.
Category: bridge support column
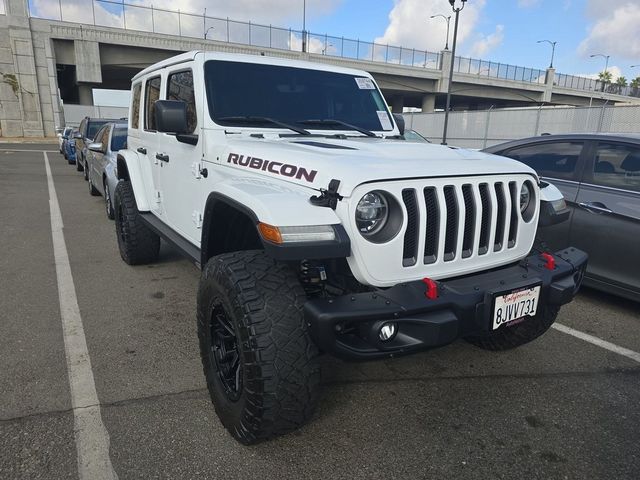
(22, 112)
(397, 104)
(85, 94)
(428, 103)
(548, 87)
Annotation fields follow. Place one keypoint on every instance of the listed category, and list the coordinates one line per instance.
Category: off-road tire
(507, 337)
(137, 243)
(107, 201)
(93, 191)
(279, 372)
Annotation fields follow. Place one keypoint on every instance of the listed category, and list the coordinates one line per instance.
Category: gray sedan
(599, 176)
(102, 162)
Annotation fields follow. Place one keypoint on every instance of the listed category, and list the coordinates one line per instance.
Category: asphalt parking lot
(559, 407)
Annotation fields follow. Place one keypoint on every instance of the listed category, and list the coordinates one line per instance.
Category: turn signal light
(270, 233)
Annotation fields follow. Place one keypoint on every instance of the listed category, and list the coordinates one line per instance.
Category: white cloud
(615, 31)
(489, 42)
(277, 12)
(614, 70)
(410, 24)
(528, 3)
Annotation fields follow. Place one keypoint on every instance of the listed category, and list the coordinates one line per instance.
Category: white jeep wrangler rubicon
(319, 229)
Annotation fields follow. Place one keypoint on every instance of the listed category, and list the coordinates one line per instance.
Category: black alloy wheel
(225, 351)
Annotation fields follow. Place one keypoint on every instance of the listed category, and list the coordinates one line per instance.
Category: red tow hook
(551, 262)
(432, 289)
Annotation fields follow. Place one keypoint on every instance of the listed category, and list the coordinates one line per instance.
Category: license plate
(515, 305)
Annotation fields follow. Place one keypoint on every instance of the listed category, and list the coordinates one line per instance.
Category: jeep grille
(452, 226)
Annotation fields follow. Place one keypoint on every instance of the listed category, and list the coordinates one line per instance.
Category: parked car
(70, 147)
(599, 176)
(63, 136)
(413, 136)
(101, 161)
(86, 133)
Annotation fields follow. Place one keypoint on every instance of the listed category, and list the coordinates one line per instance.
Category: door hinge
(158, 196)
(197, 218)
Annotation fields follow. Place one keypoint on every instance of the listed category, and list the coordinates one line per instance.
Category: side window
(552, 159)
(180, 87)
(135, 106)
(617, 165)
(151, 95)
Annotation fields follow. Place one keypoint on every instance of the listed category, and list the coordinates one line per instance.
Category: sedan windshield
(118, 139)
(238, 93)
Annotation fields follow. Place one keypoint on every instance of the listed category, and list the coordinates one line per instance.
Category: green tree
(605, 77)
(635, 87)
(621, 82)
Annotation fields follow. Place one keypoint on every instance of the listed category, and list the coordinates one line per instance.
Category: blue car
(70, 148)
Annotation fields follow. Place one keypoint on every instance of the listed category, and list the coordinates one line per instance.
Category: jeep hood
(358, 160)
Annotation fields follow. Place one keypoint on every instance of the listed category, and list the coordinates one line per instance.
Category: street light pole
(553, 49)
(205, 33)
(448, 20)
(304, 25)
(453, 59)
(606, 67)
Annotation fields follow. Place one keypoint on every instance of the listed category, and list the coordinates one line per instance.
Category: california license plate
(515, 305)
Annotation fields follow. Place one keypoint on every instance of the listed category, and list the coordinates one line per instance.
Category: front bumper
(348, 326)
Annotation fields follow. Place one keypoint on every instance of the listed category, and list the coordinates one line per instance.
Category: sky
(504, 31)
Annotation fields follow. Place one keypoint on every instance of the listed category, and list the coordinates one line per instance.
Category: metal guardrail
(498, 70)
(592, 84)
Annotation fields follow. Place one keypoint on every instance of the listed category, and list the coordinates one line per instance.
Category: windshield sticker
(384, 120)
(365, 83)
(277, 168)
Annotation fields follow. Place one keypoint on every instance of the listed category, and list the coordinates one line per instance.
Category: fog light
(388, 331)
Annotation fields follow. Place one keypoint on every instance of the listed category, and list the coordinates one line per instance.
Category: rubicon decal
(279, 168)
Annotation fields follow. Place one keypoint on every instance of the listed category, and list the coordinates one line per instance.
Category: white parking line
(91, 436)
(612, 347)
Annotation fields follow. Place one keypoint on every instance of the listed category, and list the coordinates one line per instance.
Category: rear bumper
(348, 326)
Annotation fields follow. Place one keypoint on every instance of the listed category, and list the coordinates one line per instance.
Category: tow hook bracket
(432, 289)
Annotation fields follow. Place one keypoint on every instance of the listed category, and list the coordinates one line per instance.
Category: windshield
(93, 128)
(292, 95)
(118, 139)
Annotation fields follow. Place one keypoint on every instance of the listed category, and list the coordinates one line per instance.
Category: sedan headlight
(372, 213)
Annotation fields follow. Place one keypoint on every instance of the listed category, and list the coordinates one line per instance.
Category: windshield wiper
(252, 119)
(332, 121)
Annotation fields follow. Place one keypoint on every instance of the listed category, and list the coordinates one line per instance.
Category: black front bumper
(348, 326)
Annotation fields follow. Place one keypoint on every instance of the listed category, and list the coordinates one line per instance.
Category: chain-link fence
(483, 128)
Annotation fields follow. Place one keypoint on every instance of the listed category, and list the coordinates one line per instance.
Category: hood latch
(328, 197)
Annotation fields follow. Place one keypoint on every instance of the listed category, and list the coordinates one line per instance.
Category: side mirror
(171, 116)
(95, 147)
(400, 122)
(553, 208)
(77, 136)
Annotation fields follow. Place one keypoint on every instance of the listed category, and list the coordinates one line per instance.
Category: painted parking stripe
(91, 436)
(612, 347)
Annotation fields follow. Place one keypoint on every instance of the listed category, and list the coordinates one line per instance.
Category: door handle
(162, 157)
(595, 207)
(142, 150)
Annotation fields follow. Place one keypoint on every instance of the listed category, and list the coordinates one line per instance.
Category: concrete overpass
(46, 62)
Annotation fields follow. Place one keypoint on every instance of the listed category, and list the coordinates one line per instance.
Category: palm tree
(621, 82)
(605, 78)
(635, 86)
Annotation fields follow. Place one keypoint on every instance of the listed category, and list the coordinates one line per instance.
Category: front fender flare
(130, 169)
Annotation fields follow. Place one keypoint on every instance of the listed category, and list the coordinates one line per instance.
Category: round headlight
(525, 197)
(372, 212)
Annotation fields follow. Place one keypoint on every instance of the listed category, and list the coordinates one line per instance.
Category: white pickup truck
(318, 228)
